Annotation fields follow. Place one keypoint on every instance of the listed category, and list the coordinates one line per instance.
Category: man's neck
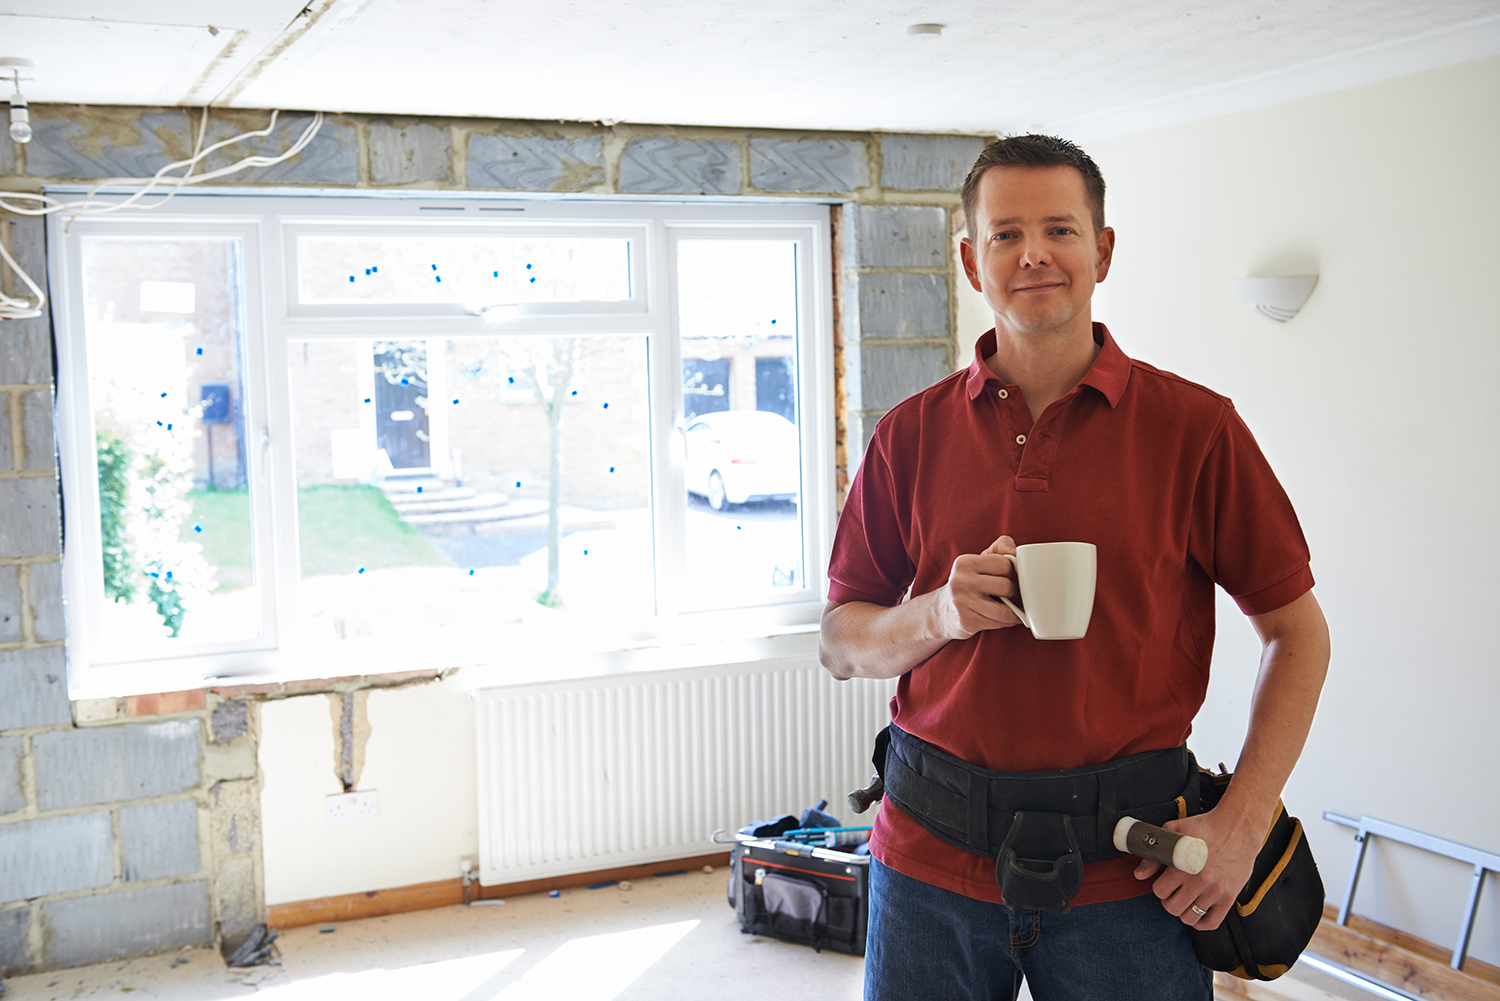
(1045, 366)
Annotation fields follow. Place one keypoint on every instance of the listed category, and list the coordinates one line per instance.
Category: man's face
(1035, 256)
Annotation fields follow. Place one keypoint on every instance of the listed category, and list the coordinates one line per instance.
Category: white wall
(419, 759)
(1378, 410)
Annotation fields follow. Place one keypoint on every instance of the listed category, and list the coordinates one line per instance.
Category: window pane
(473, 271)
(737, 310)
(429, 472)
(164, 341)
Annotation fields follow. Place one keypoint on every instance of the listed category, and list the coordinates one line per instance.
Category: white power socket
(352, 807)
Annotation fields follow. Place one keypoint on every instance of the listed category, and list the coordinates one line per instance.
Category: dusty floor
(665, 938)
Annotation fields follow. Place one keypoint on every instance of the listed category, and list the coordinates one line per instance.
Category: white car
(735, 456)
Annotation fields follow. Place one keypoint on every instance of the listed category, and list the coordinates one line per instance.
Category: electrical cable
(18, 309)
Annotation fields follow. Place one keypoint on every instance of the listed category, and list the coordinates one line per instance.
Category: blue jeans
(935, 945)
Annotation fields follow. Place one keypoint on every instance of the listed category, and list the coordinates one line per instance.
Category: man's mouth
(1039, 287)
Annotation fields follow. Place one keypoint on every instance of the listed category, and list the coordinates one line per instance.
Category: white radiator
(596, 773)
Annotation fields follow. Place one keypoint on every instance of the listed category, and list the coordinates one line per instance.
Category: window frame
(267, 227)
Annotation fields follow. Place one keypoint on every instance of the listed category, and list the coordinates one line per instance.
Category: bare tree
(547, 369)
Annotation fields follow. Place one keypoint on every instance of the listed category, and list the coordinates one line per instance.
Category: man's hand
(864, 640)
(1232, 847)
(970, 601)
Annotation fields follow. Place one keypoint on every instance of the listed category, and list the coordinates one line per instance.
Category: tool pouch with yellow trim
(1278, 910)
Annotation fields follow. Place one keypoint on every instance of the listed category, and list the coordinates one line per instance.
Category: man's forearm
(863, 640)
(1294, 663)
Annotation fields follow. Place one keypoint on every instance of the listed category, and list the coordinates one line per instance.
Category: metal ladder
(1482, 861)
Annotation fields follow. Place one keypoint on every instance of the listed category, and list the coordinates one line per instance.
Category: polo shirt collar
(1108, 374)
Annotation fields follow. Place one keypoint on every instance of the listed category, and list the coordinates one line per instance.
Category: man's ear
(1105, 251)
(970, 258)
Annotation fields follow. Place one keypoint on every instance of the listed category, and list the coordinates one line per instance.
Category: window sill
(538, 658)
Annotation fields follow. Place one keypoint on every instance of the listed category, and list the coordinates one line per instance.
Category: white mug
(1056, 581)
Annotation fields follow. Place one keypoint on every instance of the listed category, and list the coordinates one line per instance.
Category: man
(1054, 434)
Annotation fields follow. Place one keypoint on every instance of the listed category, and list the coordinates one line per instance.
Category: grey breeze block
(111, 763)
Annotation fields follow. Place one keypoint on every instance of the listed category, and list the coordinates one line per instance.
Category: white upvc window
(319, 436)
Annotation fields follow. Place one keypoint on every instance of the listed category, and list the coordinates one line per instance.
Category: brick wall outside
(131, 825)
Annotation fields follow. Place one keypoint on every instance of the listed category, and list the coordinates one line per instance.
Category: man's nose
(1033, 253)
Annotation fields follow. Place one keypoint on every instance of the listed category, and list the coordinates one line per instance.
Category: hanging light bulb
(20, 116)
(20, 120)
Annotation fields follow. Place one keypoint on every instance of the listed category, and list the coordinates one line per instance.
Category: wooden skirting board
(1396, 958)
(447, 892)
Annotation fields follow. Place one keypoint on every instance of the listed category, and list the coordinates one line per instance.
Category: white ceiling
(1086, 68)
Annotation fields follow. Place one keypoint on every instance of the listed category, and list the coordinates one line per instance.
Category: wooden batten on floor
(448, 892)
(1396, 958)
(1403, 961)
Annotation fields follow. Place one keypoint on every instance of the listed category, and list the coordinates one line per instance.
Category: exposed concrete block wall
(132, 825)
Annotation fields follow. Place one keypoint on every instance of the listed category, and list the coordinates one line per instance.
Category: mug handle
(1010, 604)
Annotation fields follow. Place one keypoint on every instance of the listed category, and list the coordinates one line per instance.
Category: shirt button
(1004, 393)
(1020, 439)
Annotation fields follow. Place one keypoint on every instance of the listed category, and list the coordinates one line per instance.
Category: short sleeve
(1245, 534)
(870, 561)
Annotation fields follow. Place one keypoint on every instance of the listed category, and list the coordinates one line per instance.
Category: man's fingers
(1004, 544)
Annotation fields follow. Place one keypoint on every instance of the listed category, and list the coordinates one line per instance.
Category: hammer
(860, 799)
(1180, 851)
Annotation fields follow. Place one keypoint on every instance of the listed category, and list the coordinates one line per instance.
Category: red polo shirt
(1159, 473)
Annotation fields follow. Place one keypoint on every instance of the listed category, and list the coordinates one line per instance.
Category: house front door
(401, 423)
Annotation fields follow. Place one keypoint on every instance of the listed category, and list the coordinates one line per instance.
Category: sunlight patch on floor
(596, 968)
(463, 979)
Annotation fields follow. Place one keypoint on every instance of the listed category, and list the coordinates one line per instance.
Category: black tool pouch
(1276, 913)
(1043, 884)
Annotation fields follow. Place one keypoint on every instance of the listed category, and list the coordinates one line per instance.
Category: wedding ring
(1197, 910)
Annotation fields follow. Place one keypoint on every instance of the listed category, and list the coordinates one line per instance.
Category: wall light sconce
(1276, 299)
(20, 116)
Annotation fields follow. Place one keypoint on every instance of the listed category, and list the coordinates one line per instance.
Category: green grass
(340, 528)
(225, 518)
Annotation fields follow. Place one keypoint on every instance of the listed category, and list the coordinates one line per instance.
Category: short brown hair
(1035, 151)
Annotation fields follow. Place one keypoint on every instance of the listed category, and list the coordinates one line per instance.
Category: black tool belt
(1040, 827)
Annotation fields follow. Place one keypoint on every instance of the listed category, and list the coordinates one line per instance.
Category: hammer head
(860, 799)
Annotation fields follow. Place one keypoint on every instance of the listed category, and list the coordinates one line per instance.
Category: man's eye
(1004, 236)
(1062, 229)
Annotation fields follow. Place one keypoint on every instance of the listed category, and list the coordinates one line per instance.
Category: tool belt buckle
(1040, 884)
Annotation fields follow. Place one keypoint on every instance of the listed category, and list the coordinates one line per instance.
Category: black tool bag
(1278, 910)
(818, 897)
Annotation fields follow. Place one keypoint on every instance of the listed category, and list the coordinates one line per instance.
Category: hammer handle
(1180, 851)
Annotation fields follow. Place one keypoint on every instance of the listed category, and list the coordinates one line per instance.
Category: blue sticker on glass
(200, 351)
(359, 569)
(197, 528)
